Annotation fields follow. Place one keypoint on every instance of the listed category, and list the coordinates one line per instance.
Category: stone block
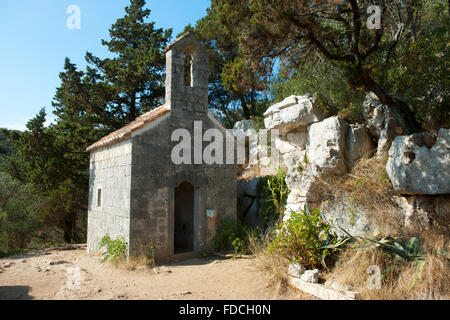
(296, 270)
(419, 164)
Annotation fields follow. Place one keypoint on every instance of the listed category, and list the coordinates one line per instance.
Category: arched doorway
(184, 218)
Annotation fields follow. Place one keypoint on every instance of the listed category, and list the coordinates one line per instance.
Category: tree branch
(356, 27)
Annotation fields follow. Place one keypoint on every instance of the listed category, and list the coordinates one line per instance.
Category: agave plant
(409, 252)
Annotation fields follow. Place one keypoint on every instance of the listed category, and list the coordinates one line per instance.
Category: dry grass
(271, 263)
(144, 260)
(133, 263)
(368, 185)
(400, 279)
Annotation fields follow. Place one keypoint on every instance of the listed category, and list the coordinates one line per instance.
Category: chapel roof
(125, 132)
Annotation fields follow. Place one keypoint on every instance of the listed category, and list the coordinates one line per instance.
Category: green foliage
(239, 246)
(302, 239)
(272, 192)
(407, 251)
(13, 252)
(325, 48)
(6, 145)
(419, 71)
(115, 249)
(235, 89)
(326, 82)
(135, 76)
(7, 150)
(53, 160)
(19, 207)
(231, 235)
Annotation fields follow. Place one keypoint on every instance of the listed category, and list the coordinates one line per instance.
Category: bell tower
(187, 77)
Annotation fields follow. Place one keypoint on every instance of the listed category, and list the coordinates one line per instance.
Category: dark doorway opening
(184, 218)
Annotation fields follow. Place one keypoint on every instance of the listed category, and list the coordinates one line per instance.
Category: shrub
(301, 238)
(115, 249)
(272, 194)
(231, 235)
(18, 213)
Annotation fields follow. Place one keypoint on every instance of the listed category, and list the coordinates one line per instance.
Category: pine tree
(136, 74)
(89, 105)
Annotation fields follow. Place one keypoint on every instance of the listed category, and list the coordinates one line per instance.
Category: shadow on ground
(15, 293)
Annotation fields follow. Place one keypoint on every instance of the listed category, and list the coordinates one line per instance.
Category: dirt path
(44, 275)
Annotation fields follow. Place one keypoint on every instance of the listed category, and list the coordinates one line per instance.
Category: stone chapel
(136, 191)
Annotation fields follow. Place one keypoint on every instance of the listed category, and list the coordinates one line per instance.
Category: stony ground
(46, 274)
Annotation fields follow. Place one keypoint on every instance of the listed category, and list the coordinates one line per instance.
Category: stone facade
(154, 178)
(110, 172)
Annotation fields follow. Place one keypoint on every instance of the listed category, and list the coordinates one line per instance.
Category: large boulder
(343, 213)
(241, 189)
(325, 148)
(247, 205)
(424, 211)
(253, 217)
(383, 123)
(251, 187)
(419, 163)
(292, 113)
(358, 144)
(324, 156)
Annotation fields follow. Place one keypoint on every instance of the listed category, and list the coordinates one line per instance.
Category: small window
(99, 198)
(188, 80)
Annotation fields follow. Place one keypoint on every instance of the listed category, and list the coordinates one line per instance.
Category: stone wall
(154, 179)
(110, 171)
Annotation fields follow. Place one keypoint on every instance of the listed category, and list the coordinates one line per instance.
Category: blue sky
(34, 40)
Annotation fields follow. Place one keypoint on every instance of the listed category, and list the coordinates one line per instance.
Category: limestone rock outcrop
(325, 148)
(419, 164)
(348, 215)
(313, 148)
(424, 211)
(383, 123)
(291, 113)
(359, 144)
